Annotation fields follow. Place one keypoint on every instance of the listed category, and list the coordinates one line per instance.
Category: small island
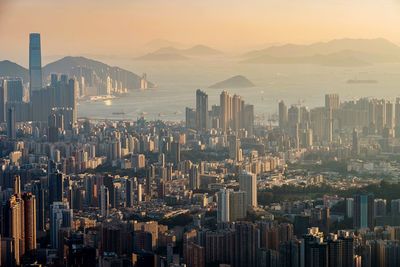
(238, 81)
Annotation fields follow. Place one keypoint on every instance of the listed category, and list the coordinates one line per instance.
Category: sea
(297, 84)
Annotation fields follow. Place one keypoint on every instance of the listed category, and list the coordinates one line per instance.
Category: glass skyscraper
(35, 62)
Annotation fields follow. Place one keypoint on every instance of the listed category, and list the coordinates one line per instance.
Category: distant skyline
(123, 27)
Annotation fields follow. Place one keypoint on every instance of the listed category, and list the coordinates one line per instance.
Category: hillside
(170, 53)
(341, 52)
(95, 72)
(8, 68)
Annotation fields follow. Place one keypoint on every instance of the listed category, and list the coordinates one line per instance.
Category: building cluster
(370, 125)
(215, 190)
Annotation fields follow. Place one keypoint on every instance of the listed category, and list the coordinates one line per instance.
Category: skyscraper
(35, 62)
(223, 205)
(226, 110)
(363, 211)
(11, 123)
(201, 110)
(3, 101)
(55, 183)
(194, 177)
(248, 184)
(104, 200)
(29, 222)
(332, 101)
(60, 217)
(283, 115)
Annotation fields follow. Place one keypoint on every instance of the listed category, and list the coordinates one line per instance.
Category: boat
(118, 113)
(357, 81)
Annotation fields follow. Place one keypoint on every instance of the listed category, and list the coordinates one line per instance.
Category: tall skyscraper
(3, 101)
(55, 183)
(194, 177)
(283, 115)
(29, 222)
(223, 205)
(201, 110)
(248, 184)
(332, 101)
(14, 88)
(226, 110)
(363, 211)
(35, 62)
(104, 200)
(60, 217)
(11, 123)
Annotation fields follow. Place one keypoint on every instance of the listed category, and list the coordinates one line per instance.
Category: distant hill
(95, 72)
(341, 52)
(170, 53)
(8, 68)
(159, 43)
(237, 81)
(163, 57)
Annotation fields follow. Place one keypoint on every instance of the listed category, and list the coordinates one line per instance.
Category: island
(238, 81)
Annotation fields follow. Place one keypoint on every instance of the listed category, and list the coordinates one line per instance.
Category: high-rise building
(129, 192)
(332, 101)
(104, 201)
(248, 184)
(176, 153)
(363, 211)
(60, 217)
(201, 110)
(237, 205)
(29, 222)
(235, 151)
(225, 111)
(248, 119)
(13, 226)
(3, 101)
(223, 205)
(194, 177)
(190, 118)
(283, 115)
(35, 62)
(11, 123)
(56, 187)
(14, 88)
(246, 244)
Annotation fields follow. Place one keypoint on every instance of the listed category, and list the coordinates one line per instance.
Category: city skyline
(199, 152)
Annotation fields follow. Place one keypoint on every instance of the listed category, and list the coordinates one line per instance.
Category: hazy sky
(122, 27)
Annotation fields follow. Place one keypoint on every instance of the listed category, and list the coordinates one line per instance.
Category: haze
(123, 27)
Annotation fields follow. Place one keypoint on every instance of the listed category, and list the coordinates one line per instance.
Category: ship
(357, 81)
(118, 113)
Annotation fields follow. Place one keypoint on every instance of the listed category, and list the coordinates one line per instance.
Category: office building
(248, 184)
(201, 110)
(35, 63)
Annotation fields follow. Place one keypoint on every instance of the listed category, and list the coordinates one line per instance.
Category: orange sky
(122, 27)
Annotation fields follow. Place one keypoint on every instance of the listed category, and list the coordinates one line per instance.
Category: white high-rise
(248, 184)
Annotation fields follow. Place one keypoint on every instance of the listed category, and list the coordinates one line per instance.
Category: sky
(123, 27)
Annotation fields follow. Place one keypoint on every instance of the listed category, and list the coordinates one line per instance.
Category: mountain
(95, 72)
(169, 53)
(159, 43)
(8, 68)
(341, 52)
(163, 57)
(201, 50)
(72, 65)
(237, 81)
